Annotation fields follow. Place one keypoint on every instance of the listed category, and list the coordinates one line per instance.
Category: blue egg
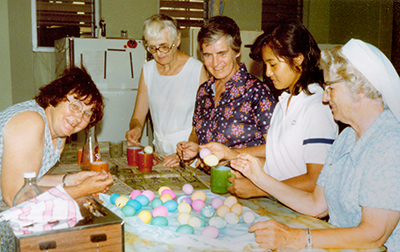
(171, 205)
(142, 199)
(207, 211)
(159, 221)
(128, 210)
(136, 204)
(185, 229)
(156, 202)
(113, 197)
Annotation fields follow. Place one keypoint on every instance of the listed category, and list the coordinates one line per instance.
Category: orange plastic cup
(99, 166)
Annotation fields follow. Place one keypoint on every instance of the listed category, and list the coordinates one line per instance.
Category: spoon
(181, 162)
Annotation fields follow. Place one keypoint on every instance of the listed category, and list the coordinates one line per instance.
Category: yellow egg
(183, 218)
(237, 208)
(165, 197)
(211, 160)
(121, 201)
(229, 201)
(222, 210)
(195, 222)
(162, 188)
(145, 216)
(199, 195)
(184, 207)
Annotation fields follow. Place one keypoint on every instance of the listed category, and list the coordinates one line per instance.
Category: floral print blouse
(242, 115)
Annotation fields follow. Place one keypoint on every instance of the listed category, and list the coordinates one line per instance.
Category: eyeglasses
(162, 49)
(326, 85)
(77, 107)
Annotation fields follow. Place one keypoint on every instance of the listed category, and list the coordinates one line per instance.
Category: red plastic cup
(146, 162)
(132, 155)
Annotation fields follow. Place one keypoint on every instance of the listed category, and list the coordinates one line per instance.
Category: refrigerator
(115, 66)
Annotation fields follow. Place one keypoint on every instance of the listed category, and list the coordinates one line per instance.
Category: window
(55, 19)
(276, 10)
(188, 13)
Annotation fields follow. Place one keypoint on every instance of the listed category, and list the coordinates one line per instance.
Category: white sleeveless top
(171, 101)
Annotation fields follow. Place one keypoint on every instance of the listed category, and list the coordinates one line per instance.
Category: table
(127, 177)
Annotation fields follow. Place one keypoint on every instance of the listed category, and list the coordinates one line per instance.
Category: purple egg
(187, 200)
(217, 202)
(204, 152)
(187, 189)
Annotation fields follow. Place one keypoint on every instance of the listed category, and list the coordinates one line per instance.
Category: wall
(5, 68)
(246, 13)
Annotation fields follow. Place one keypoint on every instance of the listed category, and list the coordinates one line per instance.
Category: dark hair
(217, 27)
(288, 40)
(77, 82)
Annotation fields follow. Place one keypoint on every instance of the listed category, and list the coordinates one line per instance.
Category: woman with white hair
(167, 86)
(359, 183)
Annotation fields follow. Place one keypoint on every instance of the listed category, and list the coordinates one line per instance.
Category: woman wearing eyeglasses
(167, 86)
(233, 107)
(33, 135)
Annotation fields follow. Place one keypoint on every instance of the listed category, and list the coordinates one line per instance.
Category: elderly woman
(233, 107)
(167, 86)
(359, 184)
(33, 134)
(302, 128)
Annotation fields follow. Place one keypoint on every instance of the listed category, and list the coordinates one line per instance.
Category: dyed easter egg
(149, 194)
(248, 217)
(142, 199)
(180, 199)
(199, 195)
(160, 211)
(207, 211)
(197, 205)
(211, 160)
(165, 197)
(148, 149)
(222, 210)
(159, 221)
(210, 231)
(171, 205)
(217, 222)
(187, 200)
(145, 216)
(183, 218)
(231, 218)
(229, 201)
(217, 202)
(237, 208)
(135, 193)
(204, 152)
(187, 189)
(121, 201)
(184, 208)
(185, 229)
(136, 204)
(162, 188)
(195, 222)
(113, 197)
(168, 191)
(156, 202)
(128, 210)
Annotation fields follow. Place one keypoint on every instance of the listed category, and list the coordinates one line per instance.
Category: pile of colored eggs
(211, 217)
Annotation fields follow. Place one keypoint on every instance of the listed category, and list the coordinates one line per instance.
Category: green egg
(185, 229)
(159, 221)
(128, 210)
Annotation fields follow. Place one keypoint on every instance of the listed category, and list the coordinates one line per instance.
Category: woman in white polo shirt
(302, 128)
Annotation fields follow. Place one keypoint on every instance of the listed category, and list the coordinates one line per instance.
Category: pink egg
(210, 231)
(168, 191)
(204, 152)
(160, 211)
(149, 194)
(135, 193)
(217, 202)
(197, 205)
(187, 189)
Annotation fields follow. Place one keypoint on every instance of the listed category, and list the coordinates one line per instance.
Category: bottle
(29, 190)
(90, 150)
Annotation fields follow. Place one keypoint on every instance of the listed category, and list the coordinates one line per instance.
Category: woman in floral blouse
(233, 107)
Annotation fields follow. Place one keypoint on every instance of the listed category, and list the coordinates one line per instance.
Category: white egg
(248, 217)
(231, 218)
(183, 218)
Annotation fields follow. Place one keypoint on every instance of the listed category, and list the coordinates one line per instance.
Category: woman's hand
(171, 160)
(243, 188)
(248, 165)
(87, 183)
(274, 235)
(132, 136)
(188, 149)
(220, 150)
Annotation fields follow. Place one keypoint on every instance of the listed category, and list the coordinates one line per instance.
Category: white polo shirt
(299, 134)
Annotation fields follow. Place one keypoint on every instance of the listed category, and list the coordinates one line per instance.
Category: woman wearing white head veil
(359, 185)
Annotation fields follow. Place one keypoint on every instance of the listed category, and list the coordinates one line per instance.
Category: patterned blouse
(242, 115)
